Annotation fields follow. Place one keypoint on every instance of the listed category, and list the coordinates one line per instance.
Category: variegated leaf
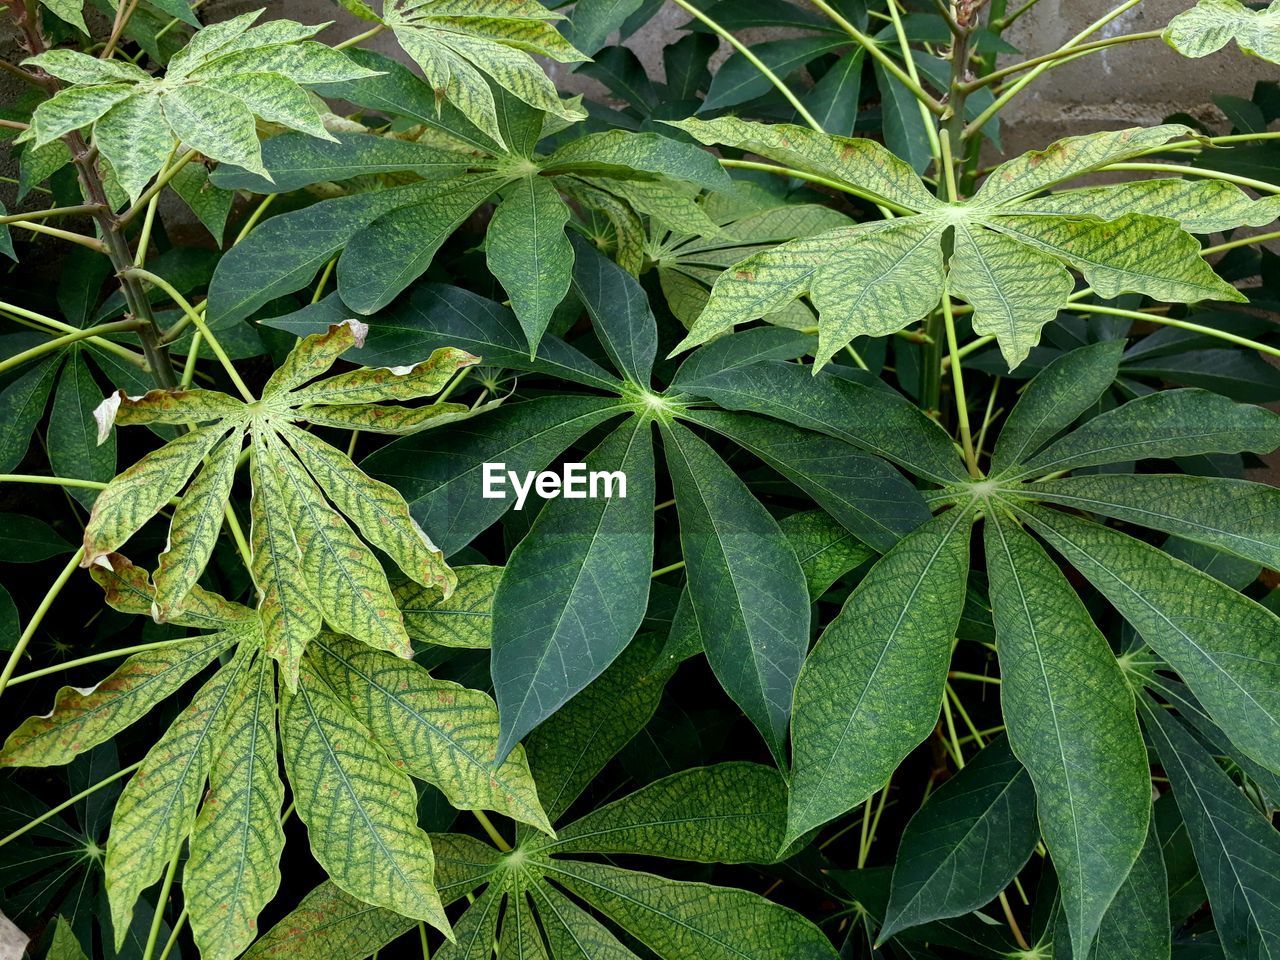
(361, 810)
(158, 806)
(1014, 289)
(136, 141)
(345, 578)
(194, 530)
(378, 510)
(289, 612)
(234, 868)
(137, 494)
(438, 731)
(1135, 253)
(864, 164)
(1070, 157)
(377, 418)
(165, 406)
(465, 619)
(1211, 24)
(371, 384)
(83, 717)
(1201, 206)
(312, 356)
(127, 588)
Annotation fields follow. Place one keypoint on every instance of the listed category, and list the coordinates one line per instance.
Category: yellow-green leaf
(1211, 24)
(158, 806)
(359, 808)
(371, 384)
(465, 619)
(83, 717)
(194, 530)
(137, 494)
(234, 868)
(313, 355)
(288, 611)
(344, 576)
(438, 731)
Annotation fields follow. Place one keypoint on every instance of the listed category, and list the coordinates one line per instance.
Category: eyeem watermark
(574, 482)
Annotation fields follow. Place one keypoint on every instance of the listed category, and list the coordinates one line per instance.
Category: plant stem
(1261, 185)
(957, 380)
(670, 568)
(78, 209)
(999, 103)
(492, 831)
(927, 118)
(1240, 242)
(94, 658)
(237, 534)
(158, 917)
(36, 618)
(173, 934)
(194, 316)
(422, 938)
(971, 347)
(1072, 52)
(123, 12)
(22, 315)
(92, 243)
(52, 481)
(1182, 324)
(752, 59)
(59, 342)
(815, 178)
(869, 44)
(54, 811)
(359, 37)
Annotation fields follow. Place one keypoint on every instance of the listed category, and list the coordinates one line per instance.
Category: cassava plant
(719, 520)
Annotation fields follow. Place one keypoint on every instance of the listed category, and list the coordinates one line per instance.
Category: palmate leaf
(308, 564)
(1211, 24)
(229, 74)
(464, 619)
(386, 239)
(743, 578)
(1010, 255)
(360, 808)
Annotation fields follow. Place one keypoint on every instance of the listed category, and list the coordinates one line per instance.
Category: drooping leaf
(361, 815)
(234, 867)
(872, 686)
(966, 844)
(575, 589)
(529, 253)
(436, 730)
(1071, 722)
(745, 579)
(157, 809)
(83, 718)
